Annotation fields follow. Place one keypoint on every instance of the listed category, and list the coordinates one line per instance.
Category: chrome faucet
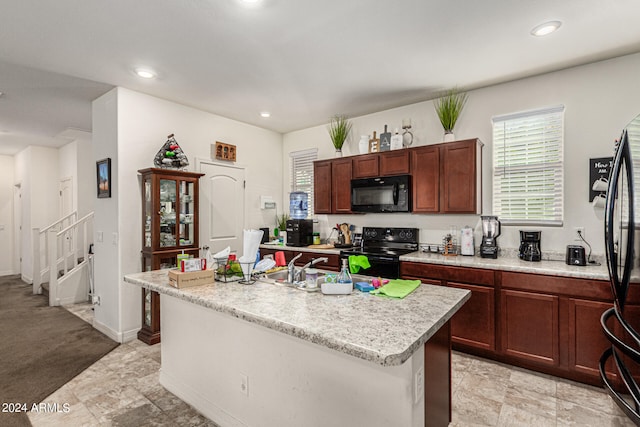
(291, 269)
(313, 261)
(294, 274)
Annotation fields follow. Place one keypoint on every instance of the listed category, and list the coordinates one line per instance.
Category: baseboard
(130, 335)
(7, 273)
(120, 337)
(114, 335)
(27, 279)
(195, 399)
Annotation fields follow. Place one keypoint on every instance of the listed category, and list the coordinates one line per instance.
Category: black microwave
(381, 194)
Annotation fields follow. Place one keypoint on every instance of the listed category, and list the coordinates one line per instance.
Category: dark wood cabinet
(387, 163)
(394, 162)
(530, 327)
(333, 263)
(473, 326)
(322, 186)
(447, 177)
(460, 184)
(169, 227)
(586, 340)
(546, 323)
(341, 186)
(332, 186)
(425, 173)
(366, 166)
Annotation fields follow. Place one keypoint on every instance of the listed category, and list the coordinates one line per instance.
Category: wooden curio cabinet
(169, 227)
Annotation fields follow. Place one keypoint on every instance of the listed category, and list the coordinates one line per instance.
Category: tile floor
(122, 389)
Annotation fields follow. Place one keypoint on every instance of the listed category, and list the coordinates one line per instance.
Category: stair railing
(40, 256)
(64, 250)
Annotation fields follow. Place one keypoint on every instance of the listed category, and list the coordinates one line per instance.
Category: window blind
(528, 166)
(302, 173)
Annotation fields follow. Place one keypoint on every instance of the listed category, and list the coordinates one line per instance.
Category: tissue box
(181, 280)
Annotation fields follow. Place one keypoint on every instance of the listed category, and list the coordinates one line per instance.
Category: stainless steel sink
(280, 278)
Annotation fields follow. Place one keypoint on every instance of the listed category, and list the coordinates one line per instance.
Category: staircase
(61, 259)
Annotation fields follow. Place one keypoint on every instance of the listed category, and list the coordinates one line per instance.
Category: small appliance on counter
(299, 232)
(490, 232)
(530, 246)
(467, 246)
(576, 255)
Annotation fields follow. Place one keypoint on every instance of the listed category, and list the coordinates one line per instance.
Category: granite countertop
(505, 263)
(554, 268)
(381, 330)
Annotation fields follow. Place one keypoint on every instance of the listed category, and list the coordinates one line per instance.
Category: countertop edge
(301, 333)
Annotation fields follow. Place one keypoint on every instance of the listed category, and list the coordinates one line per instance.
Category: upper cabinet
(387, 163)
(332, 186)
(446, 178)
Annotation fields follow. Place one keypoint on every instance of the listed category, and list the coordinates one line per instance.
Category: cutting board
(324, 246)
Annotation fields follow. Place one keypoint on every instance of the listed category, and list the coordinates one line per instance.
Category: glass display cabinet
(169, 227)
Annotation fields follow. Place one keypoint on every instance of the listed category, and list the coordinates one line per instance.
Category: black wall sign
(599, 170)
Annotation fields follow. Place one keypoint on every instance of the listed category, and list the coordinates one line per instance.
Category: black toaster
(576, 255)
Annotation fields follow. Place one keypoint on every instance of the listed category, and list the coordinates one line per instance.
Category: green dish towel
(358, 261)
(397, 288)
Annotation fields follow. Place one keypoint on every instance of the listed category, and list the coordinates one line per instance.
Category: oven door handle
(382, 258)
(395, 194)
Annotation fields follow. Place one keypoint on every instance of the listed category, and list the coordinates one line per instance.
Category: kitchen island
(270, 355)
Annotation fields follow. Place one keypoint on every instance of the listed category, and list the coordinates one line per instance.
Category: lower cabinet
(529, 324)
(545, 323)
(473, 326)
(332, 265)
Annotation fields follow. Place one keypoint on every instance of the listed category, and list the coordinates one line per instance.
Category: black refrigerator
(621, 323)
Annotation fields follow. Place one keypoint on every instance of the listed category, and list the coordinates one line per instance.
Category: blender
(490, 232)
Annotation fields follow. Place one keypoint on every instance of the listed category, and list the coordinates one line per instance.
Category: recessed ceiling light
(265, 114)
(546, 28)
(145, 74)
(249, 1)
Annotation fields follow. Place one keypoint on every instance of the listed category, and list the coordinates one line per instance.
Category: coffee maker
(299, 232)
(490, 232)
(530, 246)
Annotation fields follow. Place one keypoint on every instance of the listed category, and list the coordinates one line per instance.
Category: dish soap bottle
(345, 276)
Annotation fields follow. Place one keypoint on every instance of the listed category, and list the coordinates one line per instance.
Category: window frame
(553, 115)
(303, 158)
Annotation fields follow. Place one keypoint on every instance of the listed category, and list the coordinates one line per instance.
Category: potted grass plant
(448, 108)
(339, 128)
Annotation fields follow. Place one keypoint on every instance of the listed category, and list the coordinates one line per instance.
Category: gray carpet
(41, 348)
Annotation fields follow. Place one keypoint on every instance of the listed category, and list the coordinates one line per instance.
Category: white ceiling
(301, 60)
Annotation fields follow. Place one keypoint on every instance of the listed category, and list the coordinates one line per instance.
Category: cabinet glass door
(147, 307)
(147, 212)
(167, 213)
(187, 228)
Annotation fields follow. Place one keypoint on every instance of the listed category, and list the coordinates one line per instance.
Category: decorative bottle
(363, 145)
(345, 276)
(396, 140)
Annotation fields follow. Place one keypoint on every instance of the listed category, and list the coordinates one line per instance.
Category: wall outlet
(576, 236)
(244, 384)
(95, 299)
(418, 385)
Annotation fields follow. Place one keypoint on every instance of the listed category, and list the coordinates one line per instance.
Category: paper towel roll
(251, 243)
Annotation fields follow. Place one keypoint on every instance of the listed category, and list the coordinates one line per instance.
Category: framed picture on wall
(103, 173)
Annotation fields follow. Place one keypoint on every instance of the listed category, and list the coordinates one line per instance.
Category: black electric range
(383, 247)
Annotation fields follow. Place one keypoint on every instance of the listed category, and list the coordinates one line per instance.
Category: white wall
(130, 128)
(599, 99)
(68, 168)
(106, 258)
(36, 169)
(7, 255)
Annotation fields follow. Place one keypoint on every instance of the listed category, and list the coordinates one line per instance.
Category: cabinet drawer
(443, 272)
(592, 289)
